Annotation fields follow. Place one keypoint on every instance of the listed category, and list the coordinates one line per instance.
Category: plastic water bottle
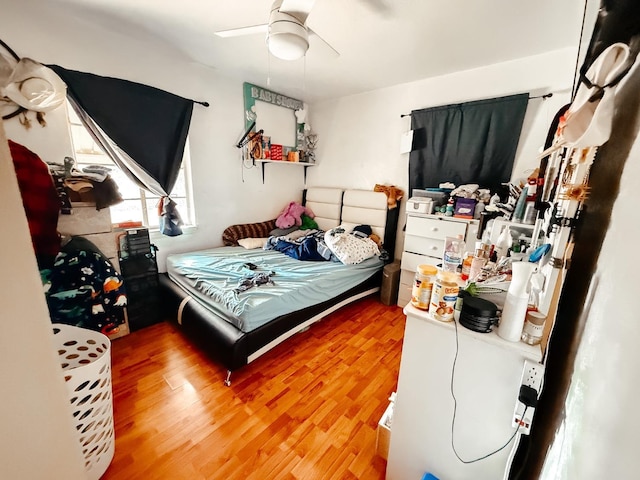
(454, 248)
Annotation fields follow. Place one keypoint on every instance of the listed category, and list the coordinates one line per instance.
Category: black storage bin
(140, 272)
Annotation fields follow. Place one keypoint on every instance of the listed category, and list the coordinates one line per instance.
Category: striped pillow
(232, 234)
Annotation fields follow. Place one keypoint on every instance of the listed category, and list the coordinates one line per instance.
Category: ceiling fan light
(287, 46)
(287, 38)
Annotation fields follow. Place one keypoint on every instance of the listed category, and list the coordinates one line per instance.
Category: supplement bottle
(422, 286)
(533, 327)
(444, 296)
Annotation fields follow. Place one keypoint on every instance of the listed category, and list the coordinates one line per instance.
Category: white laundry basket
(85, 356)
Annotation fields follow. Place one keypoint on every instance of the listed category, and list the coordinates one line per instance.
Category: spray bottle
(515, 305)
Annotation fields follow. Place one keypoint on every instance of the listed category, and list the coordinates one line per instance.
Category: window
(139, 204)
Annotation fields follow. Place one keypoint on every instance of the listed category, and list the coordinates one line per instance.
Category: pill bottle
(533, 327)
(422, 286)
(444, 296)
(466, 266)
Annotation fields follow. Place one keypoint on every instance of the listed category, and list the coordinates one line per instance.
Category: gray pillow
(279, 232)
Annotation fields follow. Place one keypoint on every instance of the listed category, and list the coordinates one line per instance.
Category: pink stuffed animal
(292, 215)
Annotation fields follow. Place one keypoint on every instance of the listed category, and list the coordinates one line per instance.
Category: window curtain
(143, 129)
(473, 142)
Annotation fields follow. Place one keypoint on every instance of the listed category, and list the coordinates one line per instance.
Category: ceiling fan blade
(380, 6)
(237, 32)
(298, 8)
(337, 54)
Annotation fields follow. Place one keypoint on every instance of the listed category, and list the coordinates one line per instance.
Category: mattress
(215, 277)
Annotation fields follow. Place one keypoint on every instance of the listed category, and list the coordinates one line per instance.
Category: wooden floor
(306, 410)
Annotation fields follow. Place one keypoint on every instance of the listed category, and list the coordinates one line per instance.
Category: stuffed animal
(376, 239)
(292, 215)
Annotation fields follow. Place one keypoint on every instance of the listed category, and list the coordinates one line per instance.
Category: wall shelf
(263, 162)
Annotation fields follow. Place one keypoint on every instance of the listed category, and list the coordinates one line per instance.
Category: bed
(202, 290)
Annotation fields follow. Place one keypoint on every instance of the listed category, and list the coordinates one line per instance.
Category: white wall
(360, 135)
(37, 438)
(52, 143)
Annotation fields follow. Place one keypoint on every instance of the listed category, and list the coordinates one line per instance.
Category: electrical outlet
(532, 376)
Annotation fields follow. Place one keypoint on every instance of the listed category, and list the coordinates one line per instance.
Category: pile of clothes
(89, 184)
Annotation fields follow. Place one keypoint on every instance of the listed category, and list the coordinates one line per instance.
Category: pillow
(232, 234)
(350, 249)
(250, 243)
(279, 232)
(296, 234)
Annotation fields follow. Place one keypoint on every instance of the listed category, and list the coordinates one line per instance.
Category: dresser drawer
(434, 227)
(410, 261)
(423, 245)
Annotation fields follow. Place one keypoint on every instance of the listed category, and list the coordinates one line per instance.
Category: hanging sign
(254, 93)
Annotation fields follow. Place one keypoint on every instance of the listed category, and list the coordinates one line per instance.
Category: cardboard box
(85, 219)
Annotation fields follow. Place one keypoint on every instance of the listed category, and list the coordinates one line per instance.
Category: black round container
(478, 314)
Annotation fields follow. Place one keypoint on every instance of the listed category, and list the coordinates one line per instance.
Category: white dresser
(424, 244)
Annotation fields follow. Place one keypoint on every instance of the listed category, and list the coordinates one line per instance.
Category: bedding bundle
(336, 245)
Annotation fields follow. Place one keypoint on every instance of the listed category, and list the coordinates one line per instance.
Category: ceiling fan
(287, 32)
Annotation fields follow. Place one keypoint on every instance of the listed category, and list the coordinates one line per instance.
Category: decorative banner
(264, 95)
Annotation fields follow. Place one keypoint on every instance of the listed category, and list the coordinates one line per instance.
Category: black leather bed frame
(233, 348)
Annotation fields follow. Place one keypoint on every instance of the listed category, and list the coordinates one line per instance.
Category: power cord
(455, 407)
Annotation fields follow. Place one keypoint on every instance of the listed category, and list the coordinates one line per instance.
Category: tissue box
(465, 208)
(419, 205)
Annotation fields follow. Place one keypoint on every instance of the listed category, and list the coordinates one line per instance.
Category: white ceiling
(381, 42)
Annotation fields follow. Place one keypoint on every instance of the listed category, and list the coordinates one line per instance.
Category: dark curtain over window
(148, 124)
(473, 142)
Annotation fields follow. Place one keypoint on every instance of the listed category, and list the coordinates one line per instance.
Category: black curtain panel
(146, 127)
(472, 142)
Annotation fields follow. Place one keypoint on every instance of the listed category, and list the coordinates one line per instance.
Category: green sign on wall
(253, 93)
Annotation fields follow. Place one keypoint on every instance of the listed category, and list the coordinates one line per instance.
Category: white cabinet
(424, 244)
(486, 383)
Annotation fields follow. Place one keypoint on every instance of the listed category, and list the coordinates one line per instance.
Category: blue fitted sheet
(211, 276)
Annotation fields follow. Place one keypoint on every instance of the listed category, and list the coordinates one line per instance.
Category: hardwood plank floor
(306, 410)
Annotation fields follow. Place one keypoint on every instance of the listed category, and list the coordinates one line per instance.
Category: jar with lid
(422, 286)
(533, 327)
(444, 296)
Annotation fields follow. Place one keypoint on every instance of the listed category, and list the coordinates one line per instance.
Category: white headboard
(364, 207)
(326, 204)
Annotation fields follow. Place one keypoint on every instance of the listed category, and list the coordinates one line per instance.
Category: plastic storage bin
(85, 356)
